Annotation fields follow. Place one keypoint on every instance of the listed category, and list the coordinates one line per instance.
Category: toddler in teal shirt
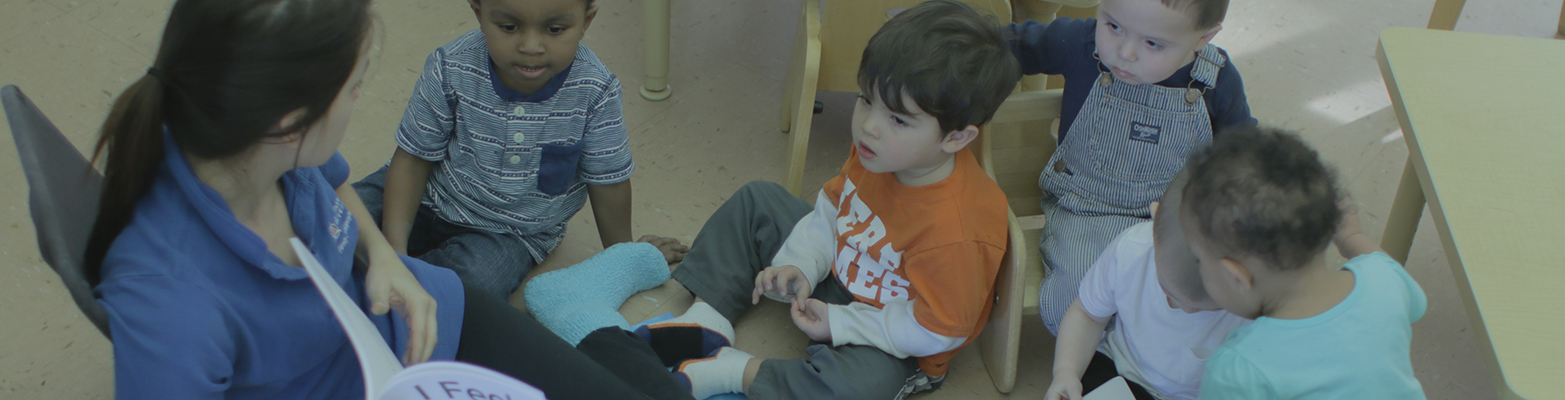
(1260, 209)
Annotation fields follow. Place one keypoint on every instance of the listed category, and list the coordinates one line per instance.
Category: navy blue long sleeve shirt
(1065, 47)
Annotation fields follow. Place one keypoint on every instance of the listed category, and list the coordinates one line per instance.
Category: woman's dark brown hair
(226, 73)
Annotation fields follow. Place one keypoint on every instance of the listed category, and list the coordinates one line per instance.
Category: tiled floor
(1308, 66)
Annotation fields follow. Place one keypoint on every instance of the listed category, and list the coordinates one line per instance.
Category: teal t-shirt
(1356, 350)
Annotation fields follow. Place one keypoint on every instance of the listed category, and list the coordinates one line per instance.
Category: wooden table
(1484, 118)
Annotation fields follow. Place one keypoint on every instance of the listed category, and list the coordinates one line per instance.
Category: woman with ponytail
(225, 150)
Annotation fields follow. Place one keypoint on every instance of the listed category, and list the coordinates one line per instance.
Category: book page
(1114, 389)
(453, 380)
(376, 358)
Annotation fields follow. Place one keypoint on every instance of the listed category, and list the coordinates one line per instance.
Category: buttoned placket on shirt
(518, 143)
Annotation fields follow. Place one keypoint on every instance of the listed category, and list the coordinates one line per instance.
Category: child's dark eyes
(894, 118)
(1153, 44)
(1112, 26)
(555, 30)
(509, 27)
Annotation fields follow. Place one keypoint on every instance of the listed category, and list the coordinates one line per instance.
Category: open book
(384, 377)
(1114, 389)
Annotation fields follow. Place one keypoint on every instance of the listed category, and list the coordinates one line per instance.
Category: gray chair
(63, 191)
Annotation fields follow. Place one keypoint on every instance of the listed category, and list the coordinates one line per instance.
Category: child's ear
(1210, 33)
(476, 8)
(1238, 275)
(592, 12)
(958, 139)
(287, 122)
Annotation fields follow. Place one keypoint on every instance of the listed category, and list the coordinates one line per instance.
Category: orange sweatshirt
(920, 261)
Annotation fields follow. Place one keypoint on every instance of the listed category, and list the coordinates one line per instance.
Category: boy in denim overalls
(1143, 89)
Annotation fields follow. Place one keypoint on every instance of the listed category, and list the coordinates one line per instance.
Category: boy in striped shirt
(510, 130)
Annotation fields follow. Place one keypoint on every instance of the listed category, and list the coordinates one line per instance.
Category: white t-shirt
(1163, 349)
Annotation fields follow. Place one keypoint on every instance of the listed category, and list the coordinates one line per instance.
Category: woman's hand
(392, 287)
(389, 283)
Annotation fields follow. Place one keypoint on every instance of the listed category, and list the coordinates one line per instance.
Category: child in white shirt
(1164, 326)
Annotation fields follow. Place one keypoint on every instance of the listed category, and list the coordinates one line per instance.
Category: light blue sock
(582, 298)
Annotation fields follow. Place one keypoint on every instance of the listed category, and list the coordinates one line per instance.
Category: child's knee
(761, 188)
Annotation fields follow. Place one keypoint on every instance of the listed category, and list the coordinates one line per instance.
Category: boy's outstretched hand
(1064, 388)
(811, 316)
(1350, 224)
(786, 280)
(1350, 238)
(673, 252)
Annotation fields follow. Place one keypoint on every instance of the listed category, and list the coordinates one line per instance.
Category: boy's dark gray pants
(737, 242)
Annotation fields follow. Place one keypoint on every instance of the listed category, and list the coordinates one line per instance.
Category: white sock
(723, 373)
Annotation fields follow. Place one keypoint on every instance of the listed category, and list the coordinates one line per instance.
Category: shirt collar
(212, 209)
(548, 90)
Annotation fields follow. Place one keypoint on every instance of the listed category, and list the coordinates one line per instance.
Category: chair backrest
(1013, 149)
(847, 25)
(63, 191)
(1015, 146)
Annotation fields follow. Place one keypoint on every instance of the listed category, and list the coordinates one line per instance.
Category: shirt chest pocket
(557, 167)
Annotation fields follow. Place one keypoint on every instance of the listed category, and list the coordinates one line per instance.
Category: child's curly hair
(1263, 193)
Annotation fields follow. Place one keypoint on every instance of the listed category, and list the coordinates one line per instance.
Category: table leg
(1445, 13)
(654, 55)
(1406, 208)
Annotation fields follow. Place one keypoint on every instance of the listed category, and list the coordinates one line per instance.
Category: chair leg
(791, 85)
(803, 111)
(1561, 29)
(1445, 13)
(801, 95)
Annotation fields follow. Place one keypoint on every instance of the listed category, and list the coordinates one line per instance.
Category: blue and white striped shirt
(508, 162)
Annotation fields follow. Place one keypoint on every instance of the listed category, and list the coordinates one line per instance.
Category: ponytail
(131, 146)
(226, 72)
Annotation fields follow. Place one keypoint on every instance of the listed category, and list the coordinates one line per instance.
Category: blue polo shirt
(200, 309)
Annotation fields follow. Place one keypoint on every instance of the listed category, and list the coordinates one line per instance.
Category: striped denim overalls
(1127, 143)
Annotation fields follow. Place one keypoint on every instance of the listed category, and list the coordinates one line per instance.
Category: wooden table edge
(1424, 193)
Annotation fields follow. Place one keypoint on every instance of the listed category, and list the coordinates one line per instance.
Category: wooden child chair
(1013, 149)
(826, 54)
